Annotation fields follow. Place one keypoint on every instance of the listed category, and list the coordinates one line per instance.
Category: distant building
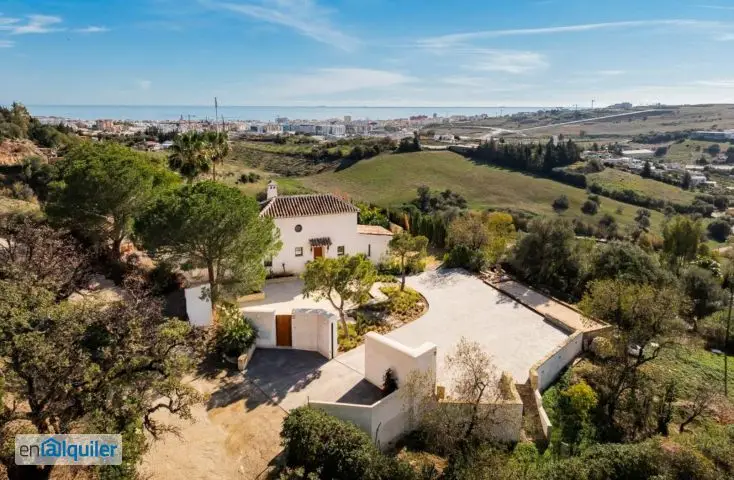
(643, 153)
(713, 135)
(623, 106)
(347, 118)
(698, 180)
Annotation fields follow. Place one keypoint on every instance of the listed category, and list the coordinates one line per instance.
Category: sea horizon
(261, 113)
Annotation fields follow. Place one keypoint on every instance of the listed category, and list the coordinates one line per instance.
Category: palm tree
(189, 155)
(218, 146)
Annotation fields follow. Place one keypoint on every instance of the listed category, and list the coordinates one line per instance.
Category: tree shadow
(269, 377)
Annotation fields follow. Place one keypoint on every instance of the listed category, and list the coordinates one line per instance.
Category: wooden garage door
(283, 331)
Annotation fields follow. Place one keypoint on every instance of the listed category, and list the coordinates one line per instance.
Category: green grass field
(690, 151)
(390, 180)
(230, 172)
(689, 365)
(619, 180)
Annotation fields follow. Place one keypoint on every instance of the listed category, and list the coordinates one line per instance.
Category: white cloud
(144, 84)
(304, 16)
(508, 61)
(329, 81)
(34, 24)
(457, 38)
(6, 43)
(727, 37)
(92, 29)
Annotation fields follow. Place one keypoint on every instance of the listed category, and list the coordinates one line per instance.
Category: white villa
(311, 226)
(320, 225)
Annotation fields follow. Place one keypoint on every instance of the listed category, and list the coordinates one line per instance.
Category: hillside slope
(389, 180)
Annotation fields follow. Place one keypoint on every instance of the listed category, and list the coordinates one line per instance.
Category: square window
(299, 251)
(268, 262)
(340, 250)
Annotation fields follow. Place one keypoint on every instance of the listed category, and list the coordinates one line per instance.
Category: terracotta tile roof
(373, 230)
(320, 242)
(306, 206)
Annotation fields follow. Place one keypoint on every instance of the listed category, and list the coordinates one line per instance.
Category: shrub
(335, 449)
(590, 207)
(405, 304)
(413, 266)
(462, 256)
(389, 382)
(560, 204)
(234, 333)
(21, 191)
(719, 230)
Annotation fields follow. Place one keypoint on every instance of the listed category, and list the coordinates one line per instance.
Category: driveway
(461, 305)
(291, 377)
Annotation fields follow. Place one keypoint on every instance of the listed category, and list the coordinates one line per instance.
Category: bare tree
(701, 405)
(468, 415)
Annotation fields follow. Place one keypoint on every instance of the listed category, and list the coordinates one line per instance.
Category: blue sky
(366, 52)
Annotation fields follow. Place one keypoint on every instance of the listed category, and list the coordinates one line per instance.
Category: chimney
(272, 190)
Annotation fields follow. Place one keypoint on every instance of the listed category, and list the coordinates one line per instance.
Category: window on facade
(268, 262)
(299, 251)
(299, 228)
(340, 250)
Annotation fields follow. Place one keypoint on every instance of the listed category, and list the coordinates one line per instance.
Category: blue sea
(174, 112)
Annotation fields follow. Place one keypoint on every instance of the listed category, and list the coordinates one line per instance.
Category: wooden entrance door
(318, 252)
(283, 331)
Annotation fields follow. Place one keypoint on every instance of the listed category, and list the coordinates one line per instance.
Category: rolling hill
(389, 180)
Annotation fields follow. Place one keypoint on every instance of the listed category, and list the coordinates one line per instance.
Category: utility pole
(592, 103)
(216, 113)
(726, 343)
(729, 284)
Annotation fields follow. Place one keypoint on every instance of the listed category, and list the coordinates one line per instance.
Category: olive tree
(342, 281)
(405, 246)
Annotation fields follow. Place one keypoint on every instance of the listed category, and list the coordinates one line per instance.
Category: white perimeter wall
(264, 321)
(340, 228)
(314, 329)
(548, 369)
(387, 419)
(381, 353)
(198, 310)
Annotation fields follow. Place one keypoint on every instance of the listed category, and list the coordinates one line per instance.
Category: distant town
(328, 129)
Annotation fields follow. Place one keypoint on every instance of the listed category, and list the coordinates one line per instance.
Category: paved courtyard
(461, 305)
(284, 296)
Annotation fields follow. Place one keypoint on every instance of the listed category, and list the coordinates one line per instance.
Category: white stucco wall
(264, 320)
(548, 369)
(304, 329)
(390, 419)
(311, 329)
(198, 310)
(376, 245)
(381, 353)
(360, 415)
(327, 337)
(385, 420)
(340, 228)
